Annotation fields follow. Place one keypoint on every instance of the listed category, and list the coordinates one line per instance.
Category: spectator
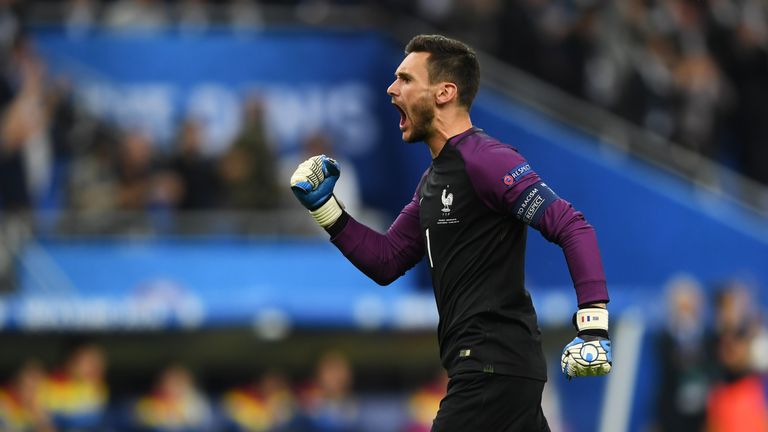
(266, 405)
(21, 401)
(684, 359)
(93, 181)
(80, 16)
(248, 167)
(24, 149)
(313, 12)
(139, 185)
(76, 395)
(175, 404)
(737, 401)
(327, 402)
(136, 15)
(474, 21)
(192, 16)
(134, 171)
(749, 51)
(424, 403)
(245, 15)
(197, 175)
(735, 311)
(518, 35)
(704, 99)
(11, 23)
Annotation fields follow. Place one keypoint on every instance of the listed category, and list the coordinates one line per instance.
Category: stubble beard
(422, 115)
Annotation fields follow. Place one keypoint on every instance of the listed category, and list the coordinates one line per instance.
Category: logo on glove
(589, 353)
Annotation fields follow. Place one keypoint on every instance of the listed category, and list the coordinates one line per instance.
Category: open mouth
(403, 116)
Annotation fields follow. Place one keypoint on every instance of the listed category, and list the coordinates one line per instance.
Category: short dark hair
(449, 60)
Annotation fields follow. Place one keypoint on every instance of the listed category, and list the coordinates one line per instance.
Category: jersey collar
(456, 139)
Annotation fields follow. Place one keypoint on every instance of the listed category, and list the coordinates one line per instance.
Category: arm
(382, 257)
(563, 225)
(589, 353)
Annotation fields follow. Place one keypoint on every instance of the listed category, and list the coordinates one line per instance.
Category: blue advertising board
(100, 285)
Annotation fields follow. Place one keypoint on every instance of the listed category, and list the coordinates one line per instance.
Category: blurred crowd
(713, 373)
(76, 397)
(56, 155)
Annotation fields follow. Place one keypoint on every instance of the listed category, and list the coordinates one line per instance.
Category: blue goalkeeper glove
(589, 354)
(312, 183)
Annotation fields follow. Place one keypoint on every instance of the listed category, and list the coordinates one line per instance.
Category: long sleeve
(566, 227)
(382, 257)
(506, 183)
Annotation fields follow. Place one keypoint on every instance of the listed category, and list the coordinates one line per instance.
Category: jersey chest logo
(447, 200)
(445, 217)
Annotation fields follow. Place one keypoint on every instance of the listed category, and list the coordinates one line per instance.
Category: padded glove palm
(589, 354)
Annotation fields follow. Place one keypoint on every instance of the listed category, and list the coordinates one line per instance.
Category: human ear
(446, 92)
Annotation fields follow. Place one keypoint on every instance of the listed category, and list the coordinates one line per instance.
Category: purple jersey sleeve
(383, 257)
(506, 183)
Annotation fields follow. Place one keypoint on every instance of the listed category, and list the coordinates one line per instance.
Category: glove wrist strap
(592, 319)
(328, 213)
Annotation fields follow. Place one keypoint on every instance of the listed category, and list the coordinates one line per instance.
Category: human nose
(391, 90)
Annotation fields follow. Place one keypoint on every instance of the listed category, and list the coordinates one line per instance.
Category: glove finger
(300, 193)
(596, 370)
(307, 174)
(571, 367)
(302, 187)
(606, 344)
(330, 167)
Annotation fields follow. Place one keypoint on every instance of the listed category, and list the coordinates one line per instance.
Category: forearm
(382, 257)
(565, 226)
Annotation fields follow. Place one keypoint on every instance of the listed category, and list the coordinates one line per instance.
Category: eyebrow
(401, 74)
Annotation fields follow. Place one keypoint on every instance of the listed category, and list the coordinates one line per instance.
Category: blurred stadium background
(156, 274)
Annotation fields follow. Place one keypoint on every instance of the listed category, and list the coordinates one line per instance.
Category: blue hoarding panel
(158, 284)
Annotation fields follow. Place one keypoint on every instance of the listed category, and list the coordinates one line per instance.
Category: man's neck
(446, 126)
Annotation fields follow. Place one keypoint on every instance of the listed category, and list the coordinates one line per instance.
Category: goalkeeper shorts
(479, 401)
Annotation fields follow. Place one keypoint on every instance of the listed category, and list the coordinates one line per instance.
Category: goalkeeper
(469, 217)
